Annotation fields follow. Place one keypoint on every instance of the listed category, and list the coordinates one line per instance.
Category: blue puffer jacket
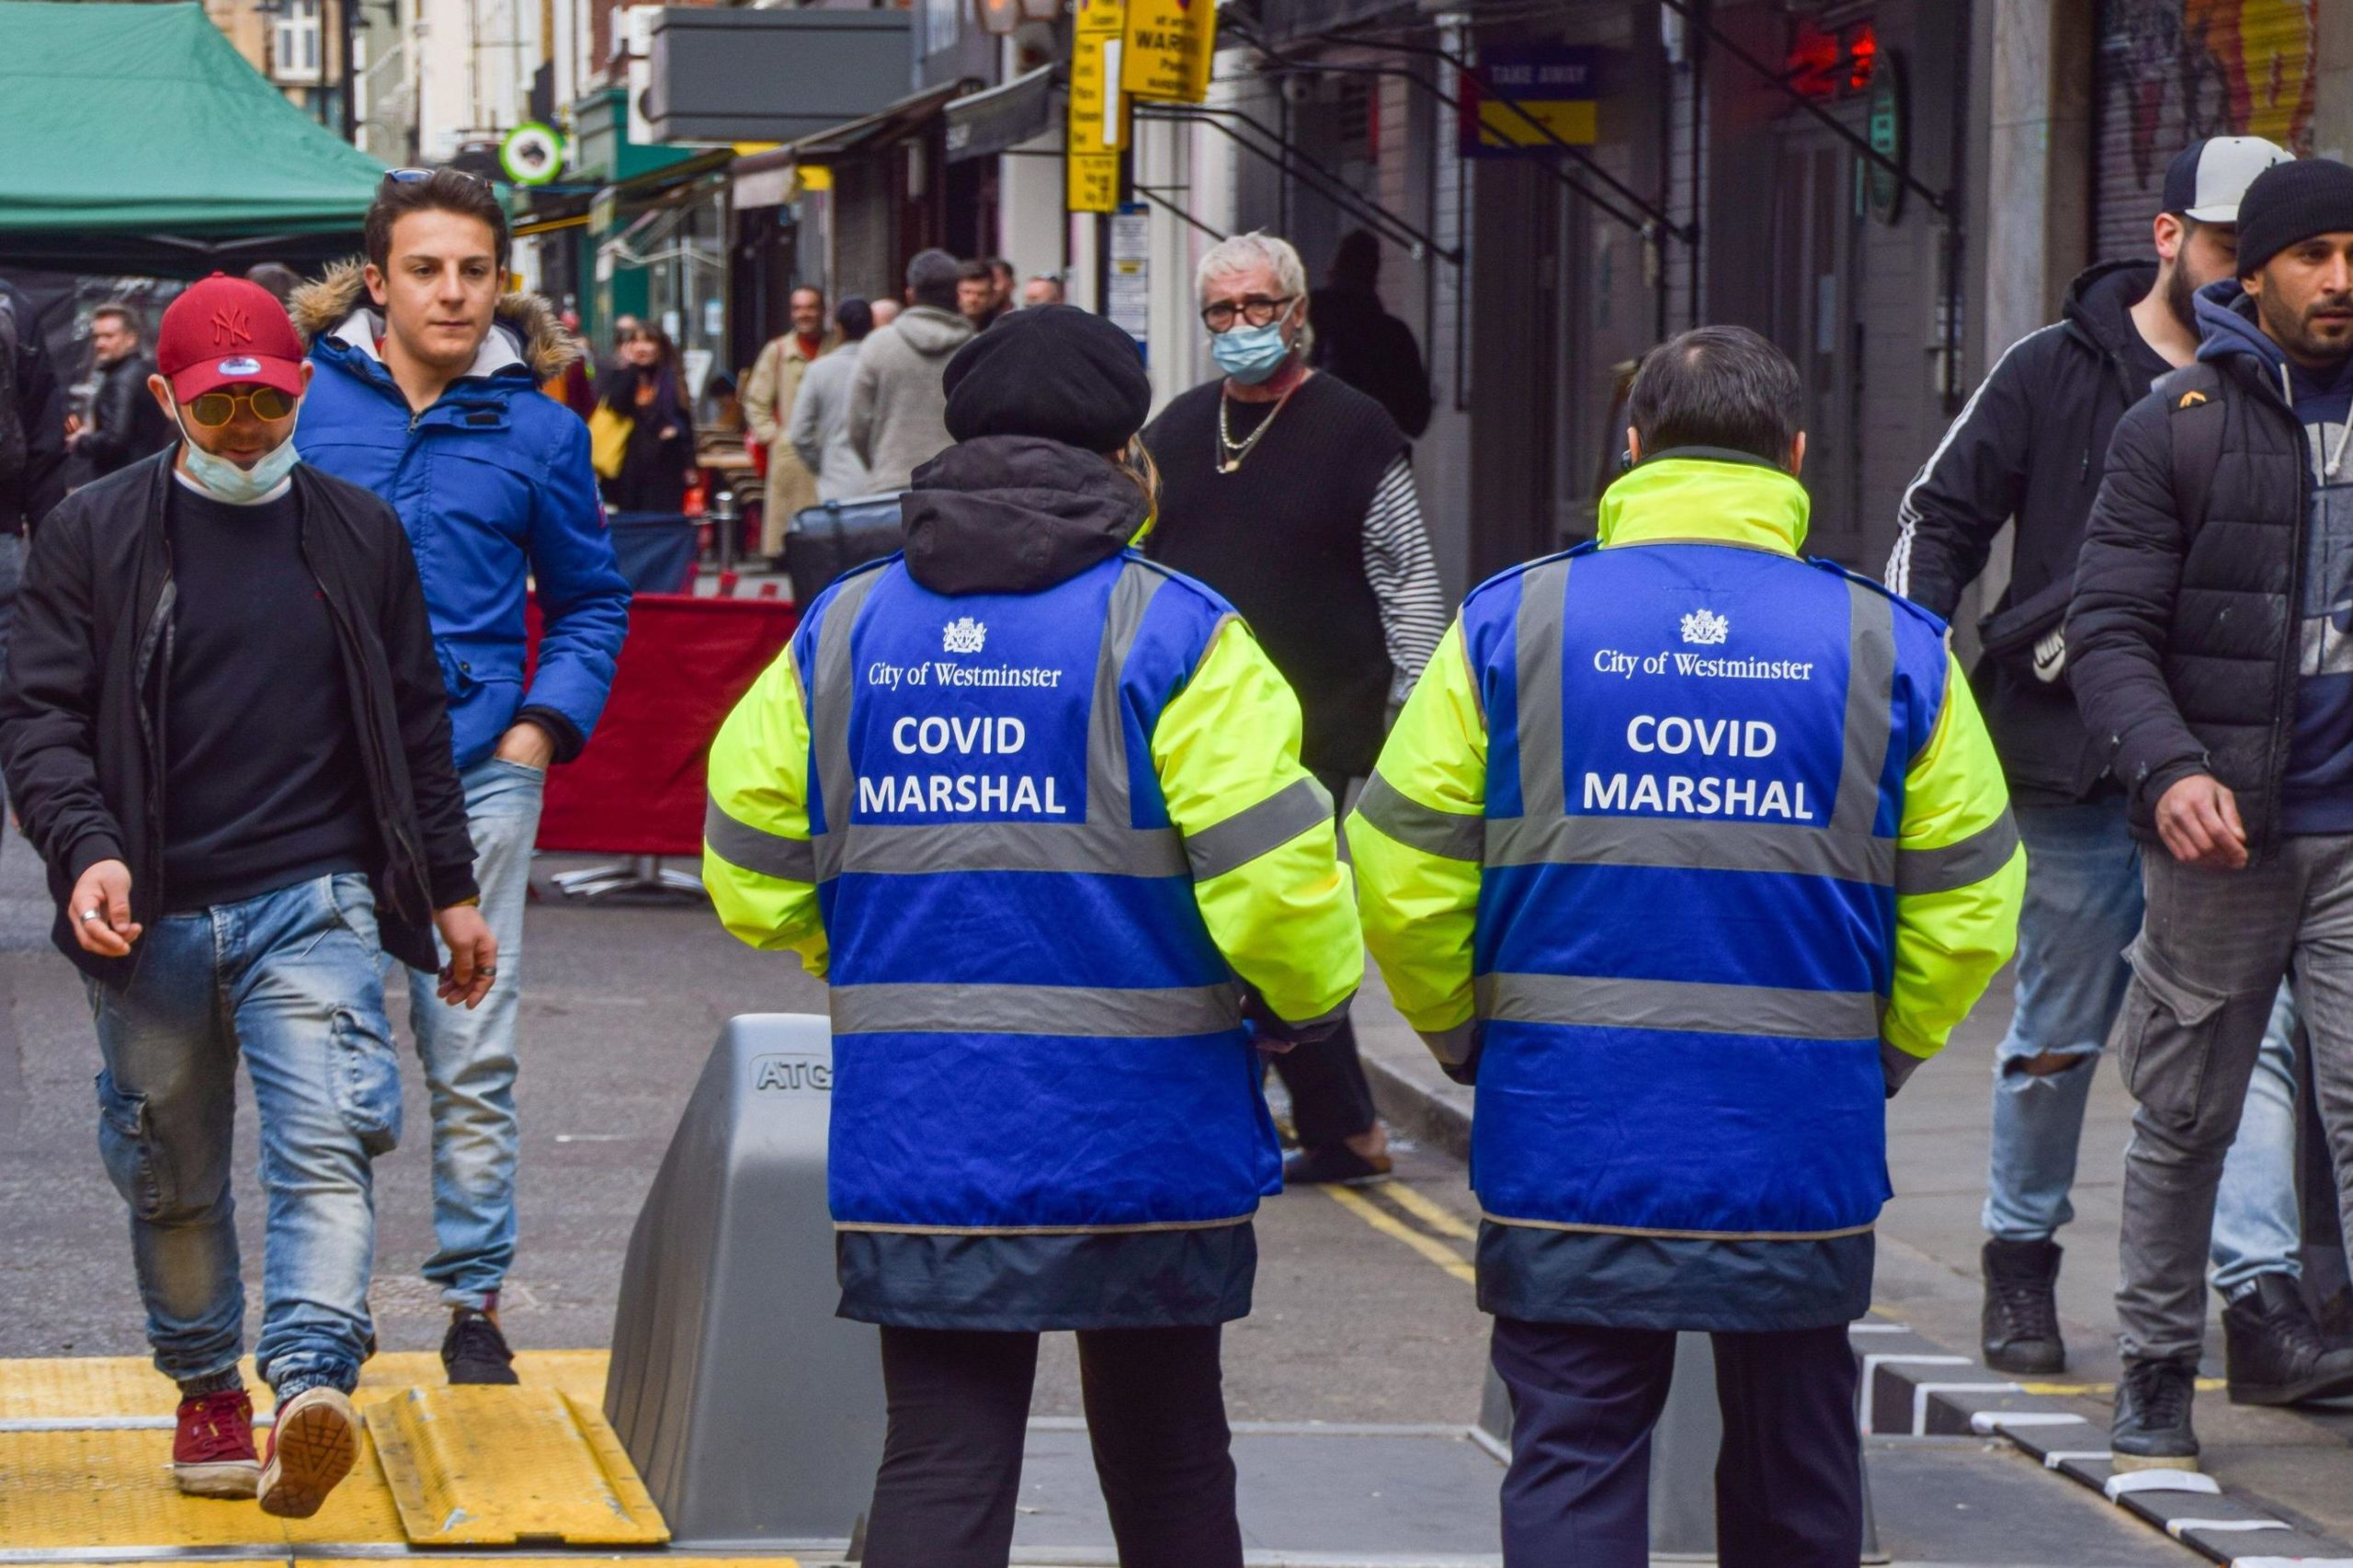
(493, 482)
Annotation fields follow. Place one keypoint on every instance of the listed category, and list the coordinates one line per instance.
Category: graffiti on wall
(2182, 69)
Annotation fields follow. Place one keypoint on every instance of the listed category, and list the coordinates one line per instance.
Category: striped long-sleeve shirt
(1404, 576)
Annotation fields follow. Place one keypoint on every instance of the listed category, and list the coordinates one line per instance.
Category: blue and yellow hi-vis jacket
(1038, 843)
(1686, 851)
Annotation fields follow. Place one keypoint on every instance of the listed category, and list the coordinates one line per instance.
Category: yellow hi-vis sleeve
(1416, 838)
(1959, 877)
(1259, 832)
(757, 858)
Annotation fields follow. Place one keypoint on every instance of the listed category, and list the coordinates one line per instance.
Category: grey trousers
(2210, 956)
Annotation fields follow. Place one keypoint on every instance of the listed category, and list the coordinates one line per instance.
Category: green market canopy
(136, 139)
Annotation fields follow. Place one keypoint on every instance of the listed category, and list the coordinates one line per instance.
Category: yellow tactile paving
(500, 1466)
(111, 1489)
(70, 1387)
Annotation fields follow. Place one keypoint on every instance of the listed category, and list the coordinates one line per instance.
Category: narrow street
(1364, 1319)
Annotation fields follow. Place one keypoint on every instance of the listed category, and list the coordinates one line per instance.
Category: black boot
(2021, 1322)
(2277, 1354)
(2152, 1428)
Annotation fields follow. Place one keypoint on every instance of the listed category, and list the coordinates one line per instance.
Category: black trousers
(1789, 1477)
(1330, 1101)
(959, 1407)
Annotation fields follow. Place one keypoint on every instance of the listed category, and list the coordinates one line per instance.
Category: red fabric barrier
(638, 789)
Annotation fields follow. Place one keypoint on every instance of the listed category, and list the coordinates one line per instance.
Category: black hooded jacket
(2031, 444)
(1015, 515)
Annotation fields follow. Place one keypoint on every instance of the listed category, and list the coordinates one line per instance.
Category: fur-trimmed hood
(538, 337)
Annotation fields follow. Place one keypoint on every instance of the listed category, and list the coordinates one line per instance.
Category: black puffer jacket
(2182, 638)
(2031, 444)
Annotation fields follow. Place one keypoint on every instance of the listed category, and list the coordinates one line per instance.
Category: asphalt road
(1358, 1317)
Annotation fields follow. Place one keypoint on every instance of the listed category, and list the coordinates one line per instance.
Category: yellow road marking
(1429, 1212)
(1388, 1225)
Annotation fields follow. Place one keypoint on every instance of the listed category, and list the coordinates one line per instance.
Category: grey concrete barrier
(752, 1414)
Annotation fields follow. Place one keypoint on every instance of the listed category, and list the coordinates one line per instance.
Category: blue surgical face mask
(1251, 353)
(239, 487)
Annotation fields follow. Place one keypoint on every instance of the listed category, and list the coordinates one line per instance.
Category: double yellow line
(1421, 1209)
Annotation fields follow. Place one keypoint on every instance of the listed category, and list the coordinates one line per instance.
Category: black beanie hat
(1056, 372)
(2288, 203)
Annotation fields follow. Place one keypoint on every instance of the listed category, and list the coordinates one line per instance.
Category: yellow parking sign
(1094, 182)
(1169, 47)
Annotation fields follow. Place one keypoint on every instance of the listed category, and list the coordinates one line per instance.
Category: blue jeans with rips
(292, 980)
(470, 1056)
(2083, 909)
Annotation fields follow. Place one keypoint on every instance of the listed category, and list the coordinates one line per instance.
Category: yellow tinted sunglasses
(217, 408)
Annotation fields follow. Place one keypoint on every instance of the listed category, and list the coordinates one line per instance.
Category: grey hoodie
(898, 411)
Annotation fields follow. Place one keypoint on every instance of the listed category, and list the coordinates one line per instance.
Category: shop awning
(138, 139)
(980, 125)
(886, 124)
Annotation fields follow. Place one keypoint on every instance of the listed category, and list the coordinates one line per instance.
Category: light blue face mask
(1251, 353)
(239, 487)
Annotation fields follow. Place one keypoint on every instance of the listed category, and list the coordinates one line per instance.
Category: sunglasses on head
(215, 409)
(418, 177)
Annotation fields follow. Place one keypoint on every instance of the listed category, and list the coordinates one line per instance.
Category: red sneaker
(212, 1451)
(311, 1447)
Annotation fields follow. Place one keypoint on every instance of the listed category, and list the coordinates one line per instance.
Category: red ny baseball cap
(223, 332)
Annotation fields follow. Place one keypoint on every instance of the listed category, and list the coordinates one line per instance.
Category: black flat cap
(1055, 372)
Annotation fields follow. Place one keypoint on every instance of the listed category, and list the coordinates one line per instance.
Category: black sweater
(1282, 536)
(262, 784)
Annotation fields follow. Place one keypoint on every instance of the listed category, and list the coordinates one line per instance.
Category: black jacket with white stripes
(2031, 443)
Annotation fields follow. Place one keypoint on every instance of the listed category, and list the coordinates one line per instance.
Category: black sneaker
(2277, 1353)
(2020, 1326)
(2152, 1428)
(474, 1351)
(1335, 1164)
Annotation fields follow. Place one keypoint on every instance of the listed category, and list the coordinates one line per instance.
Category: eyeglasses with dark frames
(1257, 312)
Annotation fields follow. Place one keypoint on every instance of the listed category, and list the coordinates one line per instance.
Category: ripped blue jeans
(291, 980)
(2083, 909)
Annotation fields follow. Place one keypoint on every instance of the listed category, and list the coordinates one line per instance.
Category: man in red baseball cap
(231, 880)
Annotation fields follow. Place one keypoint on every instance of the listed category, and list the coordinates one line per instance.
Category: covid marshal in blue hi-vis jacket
(493, 485)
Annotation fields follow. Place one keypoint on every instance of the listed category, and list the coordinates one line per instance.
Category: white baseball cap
(2206, 179)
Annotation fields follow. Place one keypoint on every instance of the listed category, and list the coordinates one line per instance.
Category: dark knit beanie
(1057, 371)
(2287, 204)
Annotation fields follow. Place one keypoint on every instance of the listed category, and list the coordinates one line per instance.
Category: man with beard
(2032, 444)
(2209, 630)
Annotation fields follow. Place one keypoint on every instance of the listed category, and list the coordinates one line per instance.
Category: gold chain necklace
(1231, 452)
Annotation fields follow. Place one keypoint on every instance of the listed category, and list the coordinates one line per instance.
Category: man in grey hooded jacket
(898, 411)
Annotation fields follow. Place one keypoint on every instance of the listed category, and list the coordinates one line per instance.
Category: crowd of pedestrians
(1195, 641)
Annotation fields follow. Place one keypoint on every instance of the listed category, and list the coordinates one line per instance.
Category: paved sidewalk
(2292, 1464)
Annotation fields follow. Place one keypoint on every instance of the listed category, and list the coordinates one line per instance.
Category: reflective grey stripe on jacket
(1102, 1011)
